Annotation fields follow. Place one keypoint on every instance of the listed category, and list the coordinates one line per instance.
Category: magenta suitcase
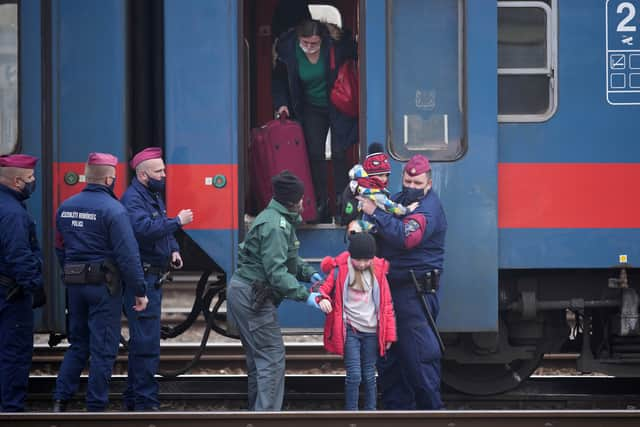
(274, 147)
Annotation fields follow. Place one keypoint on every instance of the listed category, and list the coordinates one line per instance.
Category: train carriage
(526, 109)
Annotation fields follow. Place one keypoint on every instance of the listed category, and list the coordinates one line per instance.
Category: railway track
(322, 419)
(217, 358)
(325, 392)
(228, 357)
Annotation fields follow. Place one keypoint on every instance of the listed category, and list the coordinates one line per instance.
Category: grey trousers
(262, 341)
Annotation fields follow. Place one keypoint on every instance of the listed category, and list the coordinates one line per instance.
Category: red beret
(418, 164)
(103, 159)
(23, 161)
(146, 154)
(377, 164)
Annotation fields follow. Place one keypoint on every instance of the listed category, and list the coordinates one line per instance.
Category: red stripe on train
(191, 187)
(569, 195)
(62, 191)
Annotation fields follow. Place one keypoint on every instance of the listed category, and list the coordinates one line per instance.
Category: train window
(527, 90)
(425, 114)
(326, 13)
(8, 77)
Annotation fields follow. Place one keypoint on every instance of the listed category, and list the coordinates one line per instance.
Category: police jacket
(93, 226)
(415, 241)
(153, 230)
(269, 254)
(20, 254)
(287, 88)
(335, 288)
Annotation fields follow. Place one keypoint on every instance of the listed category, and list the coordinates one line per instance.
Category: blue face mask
(156, 185)
(410, 195)
(28, 189)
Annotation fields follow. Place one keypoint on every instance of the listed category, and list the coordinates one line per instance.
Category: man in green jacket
(268, 272)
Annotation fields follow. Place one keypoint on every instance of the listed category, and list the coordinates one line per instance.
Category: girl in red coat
(360, 322)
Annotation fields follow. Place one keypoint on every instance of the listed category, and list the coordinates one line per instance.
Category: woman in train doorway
(305, 72)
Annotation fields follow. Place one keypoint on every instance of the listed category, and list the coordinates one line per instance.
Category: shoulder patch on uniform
(411, 226)
(283, 223)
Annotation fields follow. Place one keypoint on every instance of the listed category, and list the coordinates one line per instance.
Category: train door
(439, 70)
(261, 19)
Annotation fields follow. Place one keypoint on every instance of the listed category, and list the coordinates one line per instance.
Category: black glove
(39, 298)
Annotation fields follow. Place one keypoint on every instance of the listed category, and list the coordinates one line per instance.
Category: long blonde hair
(357, 281)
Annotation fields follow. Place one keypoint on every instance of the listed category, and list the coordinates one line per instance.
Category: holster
(428, 282)
(93, 273)
(112, 277)
(261, 294)
(163, 274)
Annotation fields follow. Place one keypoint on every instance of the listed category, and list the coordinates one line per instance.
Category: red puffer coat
(334, 327)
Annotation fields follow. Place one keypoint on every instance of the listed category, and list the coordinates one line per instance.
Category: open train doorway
(265, 25)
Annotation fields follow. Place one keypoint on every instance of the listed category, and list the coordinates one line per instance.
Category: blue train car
(526, 109)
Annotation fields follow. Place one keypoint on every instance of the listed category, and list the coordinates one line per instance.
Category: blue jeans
(360, 355)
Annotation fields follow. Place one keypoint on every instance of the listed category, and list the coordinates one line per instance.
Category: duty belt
(161, 272)
(429, 281)
(153, 269)
(84, 273)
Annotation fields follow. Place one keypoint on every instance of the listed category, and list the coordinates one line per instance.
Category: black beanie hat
(362, 246)
(287, 188)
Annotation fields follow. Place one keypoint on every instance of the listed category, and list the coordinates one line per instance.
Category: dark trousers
(262, 342)
(315, 123)
(94, 330)
(409, 373)
(16, 348)
(144, 348)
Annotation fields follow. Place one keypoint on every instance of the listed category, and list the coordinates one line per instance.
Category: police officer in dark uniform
(20, 278)
(158, 250)
(409, 375)
(268, 272)
(96, 247)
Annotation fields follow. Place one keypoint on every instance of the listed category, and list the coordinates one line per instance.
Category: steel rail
(326, 392)
(337, 418)
(230, 356)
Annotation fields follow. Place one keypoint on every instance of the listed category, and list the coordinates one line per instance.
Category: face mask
(113, 185)
(28, 189)
(156, 185)
(309, 51)
(410, 195)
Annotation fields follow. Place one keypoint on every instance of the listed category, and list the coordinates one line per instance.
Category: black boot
(59, 406)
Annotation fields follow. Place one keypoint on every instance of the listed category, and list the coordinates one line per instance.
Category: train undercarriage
(590, 312)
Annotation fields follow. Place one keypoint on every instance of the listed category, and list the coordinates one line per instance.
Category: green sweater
(269, 254)
(313, 77)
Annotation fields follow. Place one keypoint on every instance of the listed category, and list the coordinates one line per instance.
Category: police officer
(268, 271)
(409, 375)
(158, 250)
(96, 246)
(20, 278)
